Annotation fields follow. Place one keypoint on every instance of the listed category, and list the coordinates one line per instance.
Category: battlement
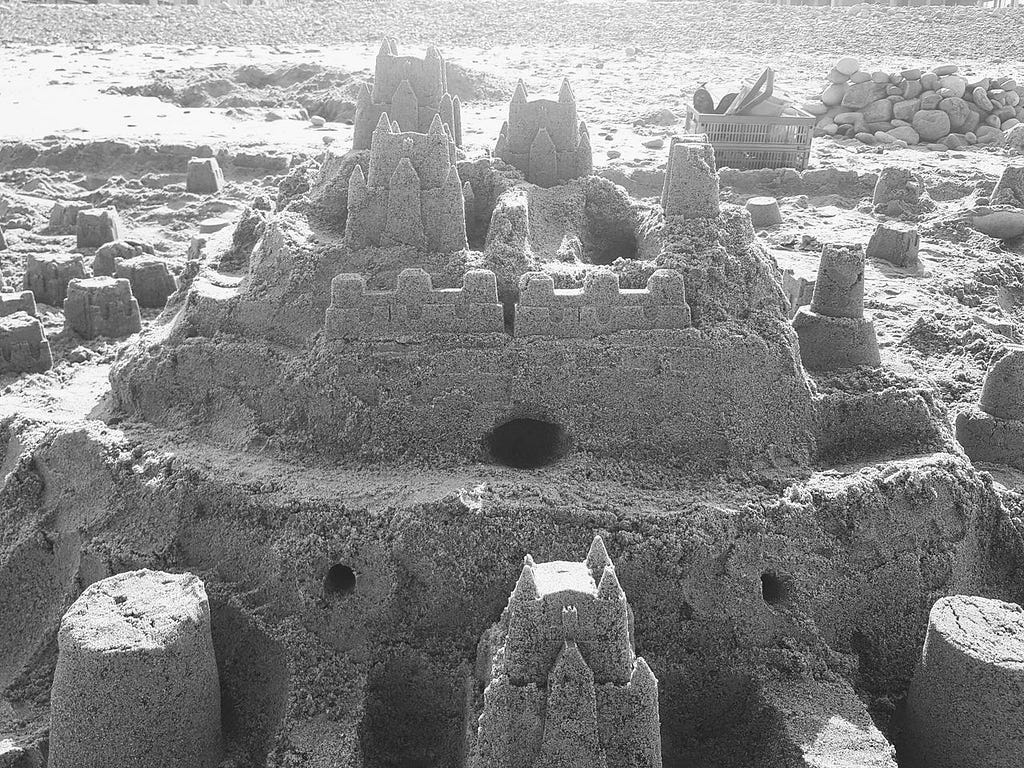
(545, 139)
(600, 306)
(412, 194)
(414, 308)
(412, 91)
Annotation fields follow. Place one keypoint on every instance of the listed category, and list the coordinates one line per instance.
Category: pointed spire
(609, 588)
(452, 180)
(597, 557)
(405, 176)
(501, 146)
(433, 52)
(519, 97)
(445, 109)
(457, 116)
(565, 94)
(570, 662)
(642, 681)
(395, 127)
(405, 107)
(386, 48)
(356, 184)
(543, 163)
(526, 587)
(528, 560)
(584, 153)
(393, 44)
(363, 96)
(436, 127)
(384, 124)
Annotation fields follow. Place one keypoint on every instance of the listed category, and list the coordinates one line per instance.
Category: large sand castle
(372, 408)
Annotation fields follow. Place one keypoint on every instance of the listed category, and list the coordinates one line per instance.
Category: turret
(411, 90)
(571, 737)
(597, 558)
(543, 164)
(525, 589)
(609, 588)
(403, 222)
(405, 108)
(565, 94)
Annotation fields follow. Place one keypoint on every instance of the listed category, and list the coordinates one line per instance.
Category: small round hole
(775, 589)
(340, 580)
(527, 443)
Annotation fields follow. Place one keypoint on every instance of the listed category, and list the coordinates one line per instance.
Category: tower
(565, 686)
(411, 195)
(412, 91)
(545, 139)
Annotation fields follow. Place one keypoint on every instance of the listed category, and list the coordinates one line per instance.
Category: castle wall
(415, 307)
(719, 397)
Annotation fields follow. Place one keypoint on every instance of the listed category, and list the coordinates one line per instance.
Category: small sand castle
(966, 701)
(564, 685)
(102, 306)
(545, 139)
(136, 678)
(833, 331)
(994, 429)
(691, 179)
(412, 91)
(412, 195)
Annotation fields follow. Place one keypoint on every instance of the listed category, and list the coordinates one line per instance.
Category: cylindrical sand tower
(966, 702)
(136, 679)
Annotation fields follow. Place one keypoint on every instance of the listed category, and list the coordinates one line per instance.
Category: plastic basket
(750, 142)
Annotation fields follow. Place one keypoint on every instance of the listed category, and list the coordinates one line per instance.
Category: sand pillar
(136, 679)
(966, 702)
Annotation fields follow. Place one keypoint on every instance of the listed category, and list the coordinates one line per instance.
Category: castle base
(988, 438)
(829, 343)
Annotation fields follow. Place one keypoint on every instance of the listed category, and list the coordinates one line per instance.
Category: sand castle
(994, 429)
(102, 306)
(23, 344)
(967, 697)
(833, 331)
(564, 685)
(412, 195)
(545, 139)
(136, 679)
(47, 275)
(353, 436)
(411, 91)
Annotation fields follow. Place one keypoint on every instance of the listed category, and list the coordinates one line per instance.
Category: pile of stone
(941, 109)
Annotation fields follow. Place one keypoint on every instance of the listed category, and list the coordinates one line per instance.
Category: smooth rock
(931, 124)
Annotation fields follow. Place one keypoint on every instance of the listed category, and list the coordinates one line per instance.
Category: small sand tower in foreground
(565, 687)
(136, 680)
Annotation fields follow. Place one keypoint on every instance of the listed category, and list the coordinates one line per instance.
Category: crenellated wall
(415, 307)
(600, 306)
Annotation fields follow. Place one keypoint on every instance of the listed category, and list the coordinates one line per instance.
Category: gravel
(749, 29)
